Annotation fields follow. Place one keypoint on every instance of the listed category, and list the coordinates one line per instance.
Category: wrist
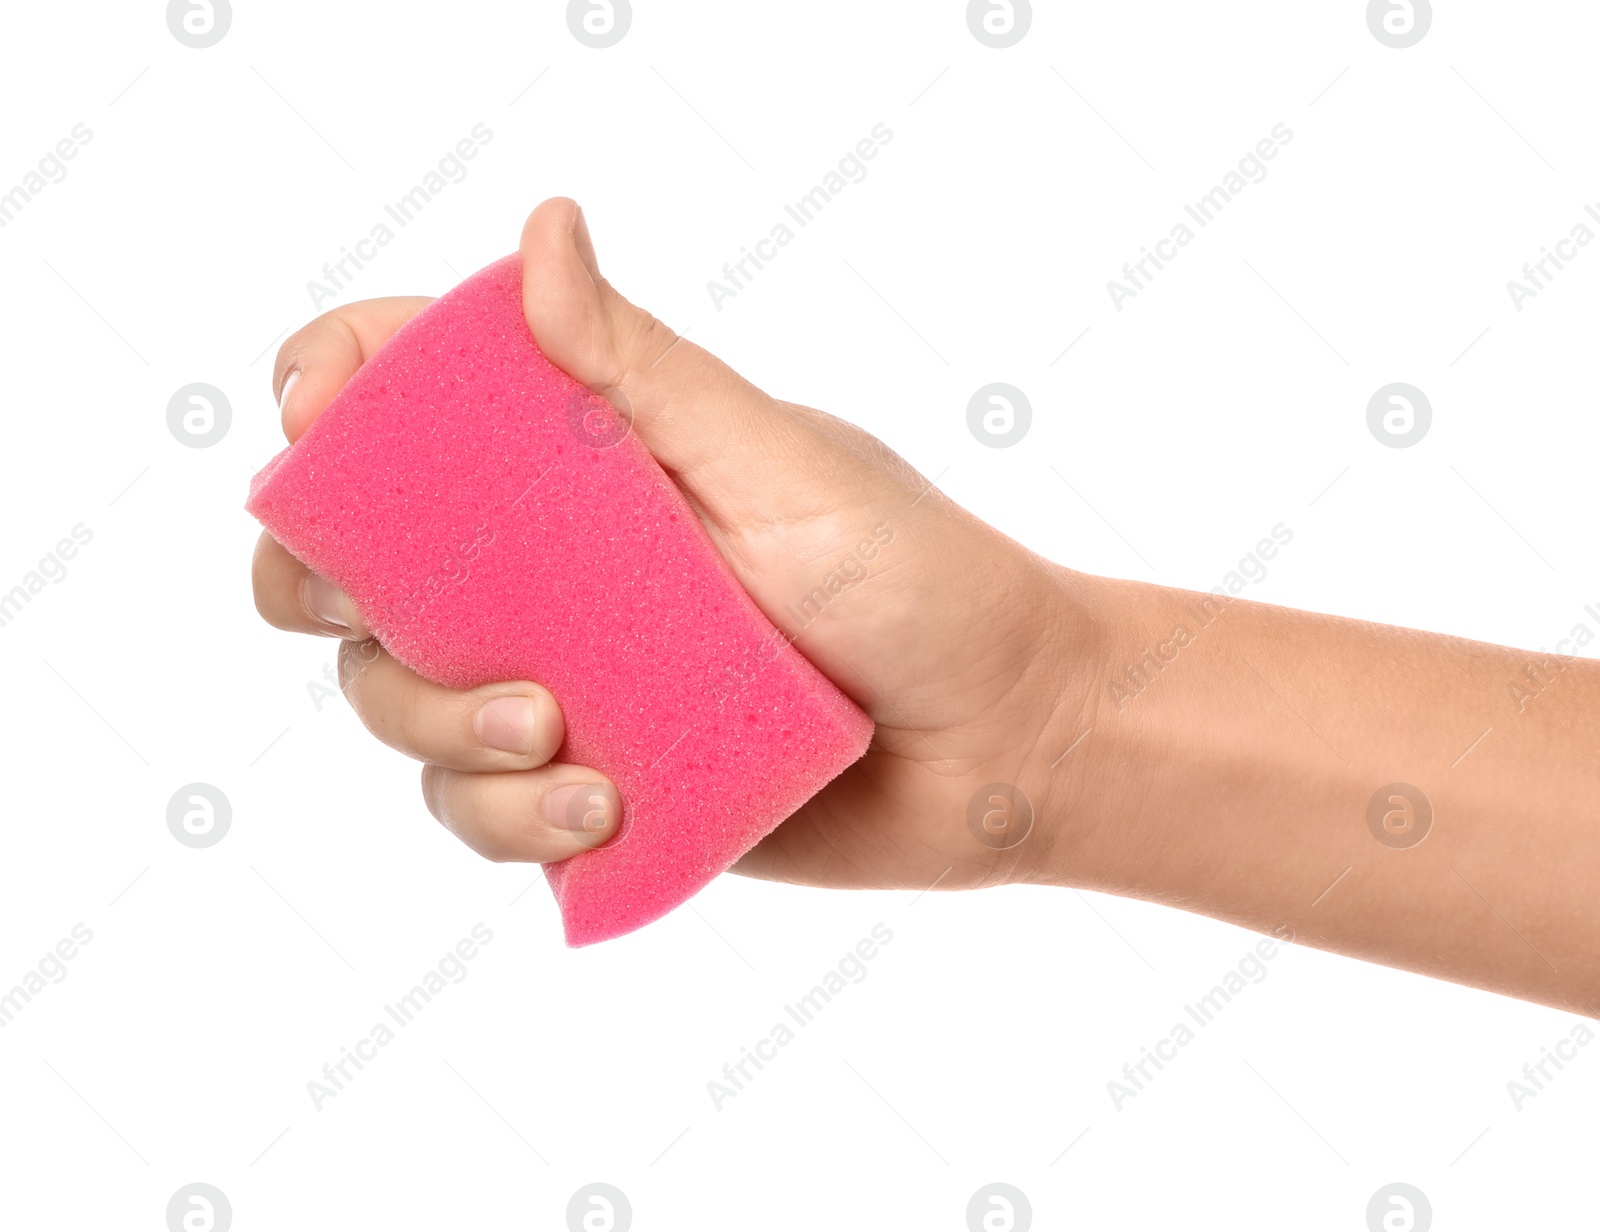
(1063, 765)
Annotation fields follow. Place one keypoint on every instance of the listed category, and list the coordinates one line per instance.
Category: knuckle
(498, 844)
(497, 851)
(258, 590)
(356, 660)
(424, 721)
(313, 337)
(402, 708)
(432, 790)
(265, 581)
(367, 680)
(471, 808)
(500, 838)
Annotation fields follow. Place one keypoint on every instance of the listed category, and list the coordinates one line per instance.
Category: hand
(963, 646)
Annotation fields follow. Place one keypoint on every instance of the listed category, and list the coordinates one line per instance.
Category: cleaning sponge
(493, 519)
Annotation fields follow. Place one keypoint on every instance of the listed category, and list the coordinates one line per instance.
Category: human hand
(961, 645)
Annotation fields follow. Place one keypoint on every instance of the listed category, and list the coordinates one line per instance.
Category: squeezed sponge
(493, 519)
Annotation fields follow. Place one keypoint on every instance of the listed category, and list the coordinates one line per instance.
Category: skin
(1233, 780)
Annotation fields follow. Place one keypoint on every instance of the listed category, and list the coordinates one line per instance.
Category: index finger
(314, 363)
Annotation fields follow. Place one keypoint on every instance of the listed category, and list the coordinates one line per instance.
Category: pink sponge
(495, 520)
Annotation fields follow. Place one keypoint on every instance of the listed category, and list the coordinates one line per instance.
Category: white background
(219, 981)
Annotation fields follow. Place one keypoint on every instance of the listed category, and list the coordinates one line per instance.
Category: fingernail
(506, 723)
(289, 382)
(327, 602)
(589, 808)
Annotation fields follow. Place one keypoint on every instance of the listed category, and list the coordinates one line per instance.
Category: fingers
(537, 816)
(314, 364)
(289, 596)
(486, 750)
(500, 727)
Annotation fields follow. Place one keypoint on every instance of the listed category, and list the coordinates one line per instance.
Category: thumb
(716, 433)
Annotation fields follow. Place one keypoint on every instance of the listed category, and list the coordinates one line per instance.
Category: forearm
(1234, 750)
